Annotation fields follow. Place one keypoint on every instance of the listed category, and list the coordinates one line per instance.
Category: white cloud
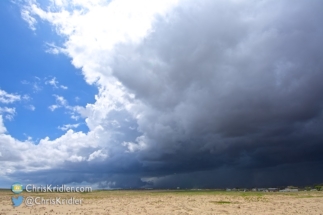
(55, 84)
(97, 155)
(115, 22)
(53, 107)
(9, 117)
(36, 87)
(31, 107)
(9, 112)
(7, 98)
(53, 49)
(72, 146)
(2, 127)
(74, 111)
(26, 97)
(138, 146)
(25, 82)
(52, 82)
(28, 138)
(60, 102)
(68, 126)
(75, 117)
(25, 14)
(75, 158)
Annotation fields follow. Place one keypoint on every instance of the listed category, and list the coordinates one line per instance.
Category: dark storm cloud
(225, 84)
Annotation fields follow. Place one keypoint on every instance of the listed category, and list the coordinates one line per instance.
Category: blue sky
(145, 93)
(24, 63)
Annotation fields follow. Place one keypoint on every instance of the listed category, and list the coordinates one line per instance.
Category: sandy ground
(172, 202)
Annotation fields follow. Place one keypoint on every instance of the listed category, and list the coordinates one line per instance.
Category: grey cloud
(229, 84)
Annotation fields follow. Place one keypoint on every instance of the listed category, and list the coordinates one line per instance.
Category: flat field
(170, 202)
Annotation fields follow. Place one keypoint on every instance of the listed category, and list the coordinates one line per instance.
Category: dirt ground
(171, 202)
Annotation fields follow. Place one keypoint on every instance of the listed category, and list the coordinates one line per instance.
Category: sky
(161, 94)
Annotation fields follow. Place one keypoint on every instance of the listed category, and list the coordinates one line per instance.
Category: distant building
(289, 190)
(272, 189)
(228, 189)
